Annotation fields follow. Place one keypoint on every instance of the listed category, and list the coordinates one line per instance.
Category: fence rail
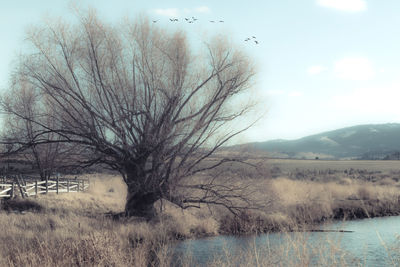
(28, 186)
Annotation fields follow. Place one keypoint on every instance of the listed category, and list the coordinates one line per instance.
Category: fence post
(68, 185)
(83, 185)
(58, 178)
(20, 185)
(36, 188)
(12, 189)
(23, 180)
(79, 182)
(47, 184)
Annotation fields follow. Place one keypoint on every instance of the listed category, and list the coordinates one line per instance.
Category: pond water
(369, 242)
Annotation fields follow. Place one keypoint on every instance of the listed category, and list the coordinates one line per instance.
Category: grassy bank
(77, 229)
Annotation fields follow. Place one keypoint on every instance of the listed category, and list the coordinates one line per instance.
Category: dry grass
(321, 201)
(74, 229)
(294, 250)
(297, 197)
(338, 165)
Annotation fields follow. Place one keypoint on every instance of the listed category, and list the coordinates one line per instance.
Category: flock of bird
(193, 20)
(253, 38)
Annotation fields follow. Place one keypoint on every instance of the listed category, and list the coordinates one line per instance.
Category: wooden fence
(26, 187)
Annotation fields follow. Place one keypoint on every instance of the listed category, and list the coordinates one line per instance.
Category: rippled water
(372, 242)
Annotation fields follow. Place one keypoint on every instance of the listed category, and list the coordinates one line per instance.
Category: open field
(339, 165)
(299, 193)
(77, 229)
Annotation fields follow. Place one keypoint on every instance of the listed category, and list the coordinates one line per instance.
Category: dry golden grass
(294, 250)
(106, 194)
(340, 165)
(310, 202)
(291, 192)
(74, 229)
(318, 195)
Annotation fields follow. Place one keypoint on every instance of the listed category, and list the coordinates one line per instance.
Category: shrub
(17, 204)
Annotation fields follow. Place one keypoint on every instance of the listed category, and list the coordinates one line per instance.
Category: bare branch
(135, 98)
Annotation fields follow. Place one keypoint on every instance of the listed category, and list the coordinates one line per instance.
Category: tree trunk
(140, 203)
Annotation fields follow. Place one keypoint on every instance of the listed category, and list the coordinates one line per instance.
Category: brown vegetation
(78, 228)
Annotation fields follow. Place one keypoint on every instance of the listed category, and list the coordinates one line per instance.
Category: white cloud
(381, 101)
(175, 12)
(314, 70)
(344, 5)
(354, 68)
(202, 9)
(169, 12)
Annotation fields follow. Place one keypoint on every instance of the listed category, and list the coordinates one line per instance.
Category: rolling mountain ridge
(372, 141)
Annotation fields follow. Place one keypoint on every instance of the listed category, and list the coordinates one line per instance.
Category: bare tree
(142, 102)
(20, 132)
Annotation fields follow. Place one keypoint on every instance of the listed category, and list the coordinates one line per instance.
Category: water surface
(371, 242)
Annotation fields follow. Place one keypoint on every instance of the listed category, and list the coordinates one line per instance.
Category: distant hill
(372, 141)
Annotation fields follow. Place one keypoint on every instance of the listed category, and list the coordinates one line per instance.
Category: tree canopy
(139, 99)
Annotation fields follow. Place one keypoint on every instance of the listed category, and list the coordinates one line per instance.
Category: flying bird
(254, 37)
(186, 19)
(194, 19)
(256, 42)
(221, 21)
(212, 21)
(154, 21)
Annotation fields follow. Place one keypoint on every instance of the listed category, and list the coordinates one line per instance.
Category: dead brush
(244, 223)
(18, 204)
(71, 229)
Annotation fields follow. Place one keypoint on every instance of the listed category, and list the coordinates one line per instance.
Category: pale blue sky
(323, 64)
